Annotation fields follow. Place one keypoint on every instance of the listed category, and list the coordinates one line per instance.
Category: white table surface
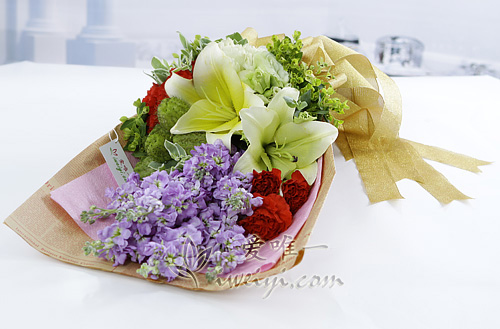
(410, 263)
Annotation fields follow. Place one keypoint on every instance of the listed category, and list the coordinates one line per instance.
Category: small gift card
(117, 161)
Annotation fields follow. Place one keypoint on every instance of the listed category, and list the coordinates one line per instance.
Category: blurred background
(426, 37)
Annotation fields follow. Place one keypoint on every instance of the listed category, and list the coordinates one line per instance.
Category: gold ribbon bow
(370, 132)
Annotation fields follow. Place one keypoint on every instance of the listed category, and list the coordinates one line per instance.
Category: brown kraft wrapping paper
(48, 228)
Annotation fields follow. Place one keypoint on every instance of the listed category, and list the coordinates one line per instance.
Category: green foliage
(176, 151)
(184, 61)
(316, 97)
(304, 117)
(288, 53)
(92, 247)
(318, 102)
(161, 70)
(237, 39)
(190, 52)
(134, 129)
(177, 154)
(94, 213)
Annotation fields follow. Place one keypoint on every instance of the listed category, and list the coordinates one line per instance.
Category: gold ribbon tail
(457, 160)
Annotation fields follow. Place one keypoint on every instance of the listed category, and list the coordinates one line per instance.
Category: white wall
(3, 33)
(460, 29)
(465, 28)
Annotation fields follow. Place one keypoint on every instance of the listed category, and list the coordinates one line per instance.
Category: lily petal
(305, 141)
(225, 137)
(215, 78)
(259, 124)
(310, 172)
(252, 159)
(251, 99)
(283, 163)
(177, 86)
(279, 105)
(205, 116)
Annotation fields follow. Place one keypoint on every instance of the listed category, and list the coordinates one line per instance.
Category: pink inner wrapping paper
(88, 189)
(83, 192)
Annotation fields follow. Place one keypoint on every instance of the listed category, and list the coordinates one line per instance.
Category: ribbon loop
(370, 132)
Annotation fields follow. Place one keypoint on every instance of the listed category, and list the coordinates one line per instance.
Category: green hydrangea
(142, 167)
(189, 141)
(256, 67)
(170, 110)
(155, 144)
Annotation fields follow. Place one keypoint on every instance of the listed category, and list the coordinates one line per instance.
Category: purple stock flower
(168, 219)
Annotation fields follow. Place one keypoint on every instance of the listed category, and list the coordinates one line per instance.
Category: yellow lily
(276, 141)
(216, 94)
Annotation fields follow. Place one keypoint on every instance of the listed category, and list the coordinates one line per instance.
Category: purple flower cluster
(180, 222)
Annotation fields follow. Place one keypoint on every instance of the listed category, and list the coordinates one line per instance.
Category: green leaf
(137, 103)
(290, 102)
(156, 63)
(175, 150)
(237, 38)
(170, 164)
(306, 97)
(156, 165)
(128, 124)
(140, 154)
(184, 42)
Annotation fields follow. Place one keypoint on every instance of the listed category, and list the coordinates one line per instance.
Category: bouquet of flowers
(217, 134)
(232, 160)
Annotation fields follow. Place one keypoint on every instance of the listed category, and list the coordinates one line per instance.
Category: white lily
(216, 95)
(278, 142)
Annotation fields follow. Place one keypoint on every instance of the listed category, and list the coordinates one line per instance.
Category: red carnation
(154, 97)
(266, 182)
(270, 219)
(186, 74)
(295, 191)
